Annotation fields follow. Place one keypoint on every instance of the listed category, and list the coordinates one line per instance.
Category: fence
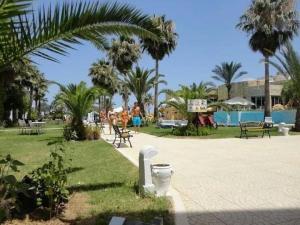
(233, 118)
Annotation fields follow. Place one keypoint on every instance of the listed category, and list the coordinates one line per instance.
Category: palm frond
(57, 29)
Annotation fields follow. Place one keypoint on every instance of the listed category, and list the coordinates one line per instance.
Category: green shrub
(9, 187)
(69, 133)
(49, 181)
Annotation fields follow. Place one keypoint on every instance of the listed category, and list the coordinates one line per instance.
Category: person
(136, 117)
(102, 120)
(124, 118)
(110, 118)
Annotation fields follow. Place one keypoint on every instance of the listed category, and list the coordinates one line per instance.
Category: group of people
(125, 116)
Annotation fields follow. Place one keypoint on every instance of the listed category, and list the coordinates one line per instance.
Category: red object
(202, 121)
(211, 120)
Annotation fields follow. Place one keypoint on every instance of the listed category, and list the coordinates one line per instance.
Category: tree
(270, 24)
(227, 73)
(159, 49)
(140, 82)
(123, 53)
(78, 100)
(40, 89)
(289, 65)
(179, 99)
(104, 76)
(56, 29)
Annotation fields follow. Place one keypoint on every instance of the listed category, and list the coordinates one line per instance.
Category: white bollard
(145, 178)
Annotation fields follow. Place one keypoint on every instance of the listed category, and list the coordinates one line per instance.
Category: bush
(89, 133)
(49, 181)
(9, 187)
(69, 133)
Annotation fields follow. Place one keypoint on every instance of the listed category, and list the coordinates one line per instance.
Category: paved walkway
(231, 181)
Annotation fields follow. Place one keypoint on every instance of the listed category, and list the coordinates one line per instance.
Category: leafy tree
(140, 82)
(123, 53)
(227, 73)
(56, 29)
(270, 24)
(159, 49)
(289, 65)
(78, 100)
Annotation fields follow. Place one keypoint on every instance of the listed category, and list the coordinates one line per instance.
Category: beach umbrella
(239, 101)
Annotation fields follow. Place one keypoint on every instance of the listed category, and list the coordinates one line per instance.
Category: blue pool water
(234, 117)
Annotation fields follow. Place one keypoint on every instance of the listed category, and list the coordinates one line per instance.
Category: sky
(207, 37)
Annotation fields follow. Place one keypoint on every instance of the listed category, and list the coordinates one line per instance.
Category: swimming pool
(233, 118)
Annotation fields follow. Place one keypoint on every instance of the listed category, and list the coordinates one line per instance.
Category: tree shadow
(74, 169)
(287, 216)
(94, 187)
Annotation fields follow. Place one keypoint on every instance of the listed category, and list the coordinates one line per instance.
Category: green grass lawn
(221, 132)
(100, 172)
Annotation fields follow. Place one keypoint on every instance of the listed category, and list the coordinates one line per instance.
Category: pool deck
(231, 181)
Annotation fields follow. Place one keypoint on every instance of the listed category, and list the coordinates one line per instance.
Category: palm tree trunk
(156, 91)
(30, 102)
(267, 88)
(39, 107)
(229, 91)
(297, 123)
(2, 96)
(99, 102)
(126, 97)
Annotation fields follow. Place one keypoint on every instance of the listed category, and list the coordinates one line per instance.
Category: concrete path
(231, 181)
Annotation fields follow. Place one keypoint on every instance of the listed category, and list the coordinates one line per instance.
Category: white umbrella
(239, 101)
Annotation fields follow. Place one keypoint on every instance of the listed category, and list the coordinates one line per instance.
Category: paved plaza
(231, 181)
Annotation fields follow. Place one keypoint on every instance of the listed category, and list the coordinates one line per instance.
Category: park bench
(121, 134)
(247, 127)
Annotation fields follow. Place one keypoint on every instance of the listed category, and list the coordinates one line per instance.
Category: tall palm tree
(123, 53)
(227, 73)
(40, 90)
(78, 100)
(25, 31)
(104, 76)
(270, 24)
(159, 49)
(140, 82)
(289, 65)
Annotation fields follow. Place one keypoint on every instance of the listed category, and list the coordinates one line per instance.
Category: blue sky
(207, 36)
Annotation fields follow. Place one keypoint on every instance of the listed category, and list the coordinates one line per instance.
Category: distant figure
(136, 117)
(124, 118)
(115, 119)
(110, 118)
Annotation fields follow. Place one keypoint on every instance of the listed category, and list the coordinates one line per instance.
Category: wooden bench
(121, 134)
(247, 127)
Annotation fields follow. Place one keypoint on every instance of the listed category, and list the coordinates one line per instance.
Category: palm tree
(78, 100)
(227, 73)
(104, 76)
(179, 99)
(289, 65)
(270, 24)
(140, 82)
(56, 29)
(158, 50)
(40, 90)
(123, 53)
(148, 101)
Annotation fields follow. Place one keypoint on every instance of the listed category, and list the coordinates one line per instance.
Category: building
(254, 90)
